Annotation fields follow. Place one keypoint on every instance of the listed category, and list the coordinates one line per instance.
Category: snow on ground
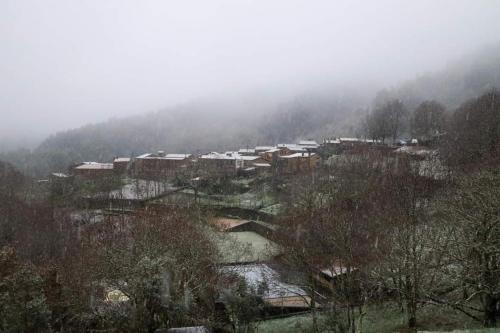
(139, 189)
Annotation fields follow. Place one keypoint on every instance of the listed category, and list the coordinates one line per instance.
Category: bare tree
(387, 121)
(428, 120)
(470, 219)
(473, 133)
(168, 276)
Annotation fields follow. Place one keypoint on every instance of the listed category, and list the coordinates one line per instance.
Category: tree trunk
(490, 311)
(313, 306)
(412, 314)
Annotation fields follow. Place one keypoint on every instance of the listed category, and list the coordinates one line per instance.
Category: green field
(387, 319)
(245, 246)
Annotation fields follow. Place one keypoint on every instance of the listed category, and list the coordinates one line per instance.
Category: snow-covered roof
(308, 143)
(336, 270)
(263, 148)
(298, 155)
(177, 156)
(261, 274)
(229, 155)
(272, 150)
(220, 156)
(122, 159)
(332, 141)
(291, 146)
(94, 166)
(249, 158)
(286, 145)
(59, 175)
(246, 151)
(164, 157)
(349, 139)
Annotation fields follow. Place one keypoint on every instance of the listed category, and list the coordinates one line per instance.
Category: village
(281, 159)
(250, 166)
(239, 200)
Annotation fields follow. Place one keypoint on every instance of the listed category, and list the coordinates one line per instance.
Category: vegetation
(379, 242)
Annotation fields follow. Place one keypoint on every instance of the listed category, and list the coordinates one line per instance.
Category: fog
(67, 63)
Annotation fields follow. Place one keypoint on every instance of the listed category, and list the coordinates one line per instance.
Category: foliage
(23, 306)
(244, 305)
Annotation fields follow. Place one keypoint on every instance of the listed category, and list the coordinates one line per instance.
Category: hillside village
(329, 236)
(240, 214)
(281, 159)
(249, 166)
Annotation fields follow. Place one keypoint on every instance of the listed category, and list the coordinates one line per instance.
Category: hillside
(231, 123)
(199, 126)
(460, 80)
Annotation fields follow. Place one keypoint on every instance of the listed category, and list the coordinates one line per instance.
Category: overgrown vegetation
(379, 241)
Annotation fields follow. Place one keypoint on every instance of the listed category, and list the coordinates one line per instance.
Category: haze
(67, 63)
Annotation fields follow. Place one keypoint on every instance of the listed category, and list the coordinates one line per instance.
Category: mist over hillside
(220, 124)
(462, 79)
(200, 126)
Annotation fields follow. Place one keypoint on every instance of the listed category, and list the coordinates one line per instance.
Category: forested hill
(200, 126)
(222, 124)
(461, 80)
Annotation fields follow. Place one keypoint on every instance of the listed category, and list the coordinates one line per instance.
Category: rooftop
(122, 159)
(298, 155)
(220, 156)
(59, 175)
(261, 274)
(264, 148)
(291, 146)
(224, 224)
(95, 166)
(164, 157)
(272, 150)
(246, 151)
(249, 158)
(308, 143)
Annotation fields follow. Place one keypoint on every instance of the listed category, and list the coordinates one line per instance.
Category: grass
(296, 324)
(247, 200)
(384, 319)
(245, 246)
(272, 209)
(484, 330)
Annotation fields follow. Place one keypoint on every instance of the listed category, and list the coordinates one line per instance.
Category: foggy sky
(64, 63)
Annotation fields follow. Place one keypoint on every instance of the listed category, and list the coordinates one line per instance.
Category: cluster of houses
(248, 252)
(282, 159)
(247, 246)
